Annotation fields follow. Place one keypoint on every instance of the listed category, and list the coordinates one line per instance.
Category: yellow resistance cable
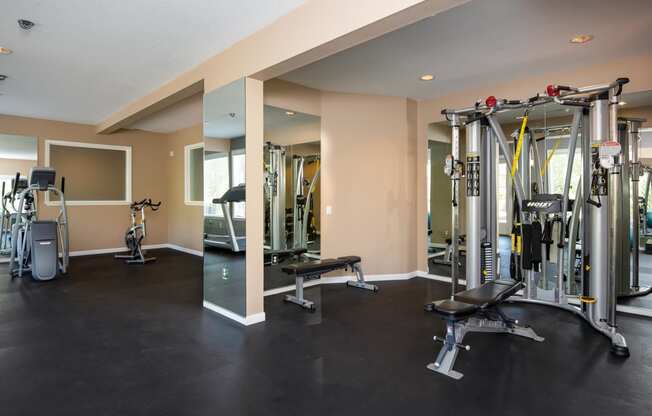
(552, 152)
(519, 145)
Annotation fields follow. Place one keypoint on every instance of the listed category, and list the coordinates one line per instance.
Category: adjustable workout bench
(314, 269)
(474, 310)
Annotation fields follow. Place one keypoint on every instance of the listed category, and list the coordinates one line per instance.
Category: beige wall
(11, 166)
(295, 134)
(368, 179)
(100, 227)
(91, 174)
(185, 222)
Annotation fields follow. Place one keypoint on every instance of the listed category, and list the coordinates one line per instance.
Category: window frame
(128, 172)
(186, 174)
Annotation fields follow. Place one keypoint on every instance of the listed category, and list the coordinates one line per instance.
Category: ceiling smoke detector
(25, 24)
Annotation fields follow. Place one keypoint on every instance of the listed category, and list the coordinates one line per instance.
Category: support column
(599, 262)
(473, 204)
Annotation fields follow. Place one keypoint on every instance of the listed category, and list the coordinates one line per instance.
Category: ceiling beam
(311, 32)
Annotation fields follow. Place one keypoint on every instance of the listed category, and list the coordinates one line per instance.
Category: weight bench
(314, 269)
(474, 310)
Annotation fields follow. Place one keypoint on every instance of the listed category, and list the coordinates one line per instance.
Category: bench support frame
(456, 329)
(298, 298)
(359, 281)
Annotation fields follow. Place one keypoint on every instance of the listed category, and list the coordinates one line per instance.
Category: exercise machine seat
(490, 293)
(320, 266)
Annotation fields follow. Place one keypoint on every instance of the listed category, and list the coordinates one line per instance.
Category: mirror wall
(18, 155)
(292, 191)
(224, 198)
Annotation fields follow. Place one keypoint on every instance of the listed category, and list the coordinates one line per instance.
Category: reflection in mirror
(17, 158)
(224, 198)
(292, 192)
(634, 287)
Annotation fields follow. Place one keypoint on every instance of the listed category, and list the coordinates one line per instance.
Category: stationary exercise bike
(137, 232)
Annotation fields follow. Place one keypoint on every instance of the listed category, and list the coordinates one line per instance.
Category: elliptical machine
(39, 246)
(137, 232)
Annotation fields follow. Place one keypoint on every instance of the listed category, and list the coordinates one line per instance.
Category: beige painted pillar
(254, 199)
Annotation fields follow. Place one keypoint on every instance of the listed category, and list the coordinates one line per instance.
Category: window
(216, 170)
(557, 172)
(194, 174)
(501, 188)
(239, 174)
(96, 174)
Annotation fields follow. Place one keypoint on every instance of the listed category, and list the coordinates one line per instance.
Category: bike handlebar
(147, 202)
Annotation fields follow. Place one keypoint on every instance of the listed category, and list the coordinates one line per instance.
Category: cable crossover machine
(590, 239)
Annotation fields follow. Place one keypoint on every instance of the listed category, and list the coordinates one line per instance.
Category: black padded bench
(474, 310)
(314, 269)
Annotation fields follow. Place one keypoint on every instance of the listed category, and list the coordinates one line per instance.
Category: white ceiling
(485, 42)
(17, 147)
(85, 59)
(277, 118)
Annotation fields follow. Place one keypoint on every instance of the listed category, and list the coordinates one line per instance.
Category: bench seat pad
(453, 308)
(490, 293)
(320, 266)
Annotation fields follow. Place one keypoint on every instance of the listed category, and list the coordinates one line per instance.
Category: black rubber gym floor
(113, 339)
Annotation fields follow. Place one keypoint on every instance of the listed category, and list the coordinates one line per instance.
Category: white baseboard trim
(344, 279)
(444, 279)
(291, 288)
(185, 250)
(249, 320)
(145, 247)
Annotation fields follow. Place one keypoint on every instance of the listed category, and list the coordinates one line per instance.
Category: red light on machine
(552, 91)
(491, 101)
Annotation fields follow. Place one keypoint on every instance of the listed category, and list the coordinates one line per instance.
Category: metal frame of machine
(595, 116)
(23, 256)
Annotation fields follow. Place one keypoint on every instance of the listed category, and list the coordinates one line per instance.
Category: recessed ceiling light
(427, 77)
(622, 103)
(290, 113)
(5, 51)
(580, 39)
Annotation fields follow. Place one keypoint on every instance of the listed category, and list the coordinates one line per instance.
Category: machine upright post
(456, 182)
(615, 218)
(492, 207)
(473, 203)
(600, 253)
(633, 127)
(587, 158)
(525, 175)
